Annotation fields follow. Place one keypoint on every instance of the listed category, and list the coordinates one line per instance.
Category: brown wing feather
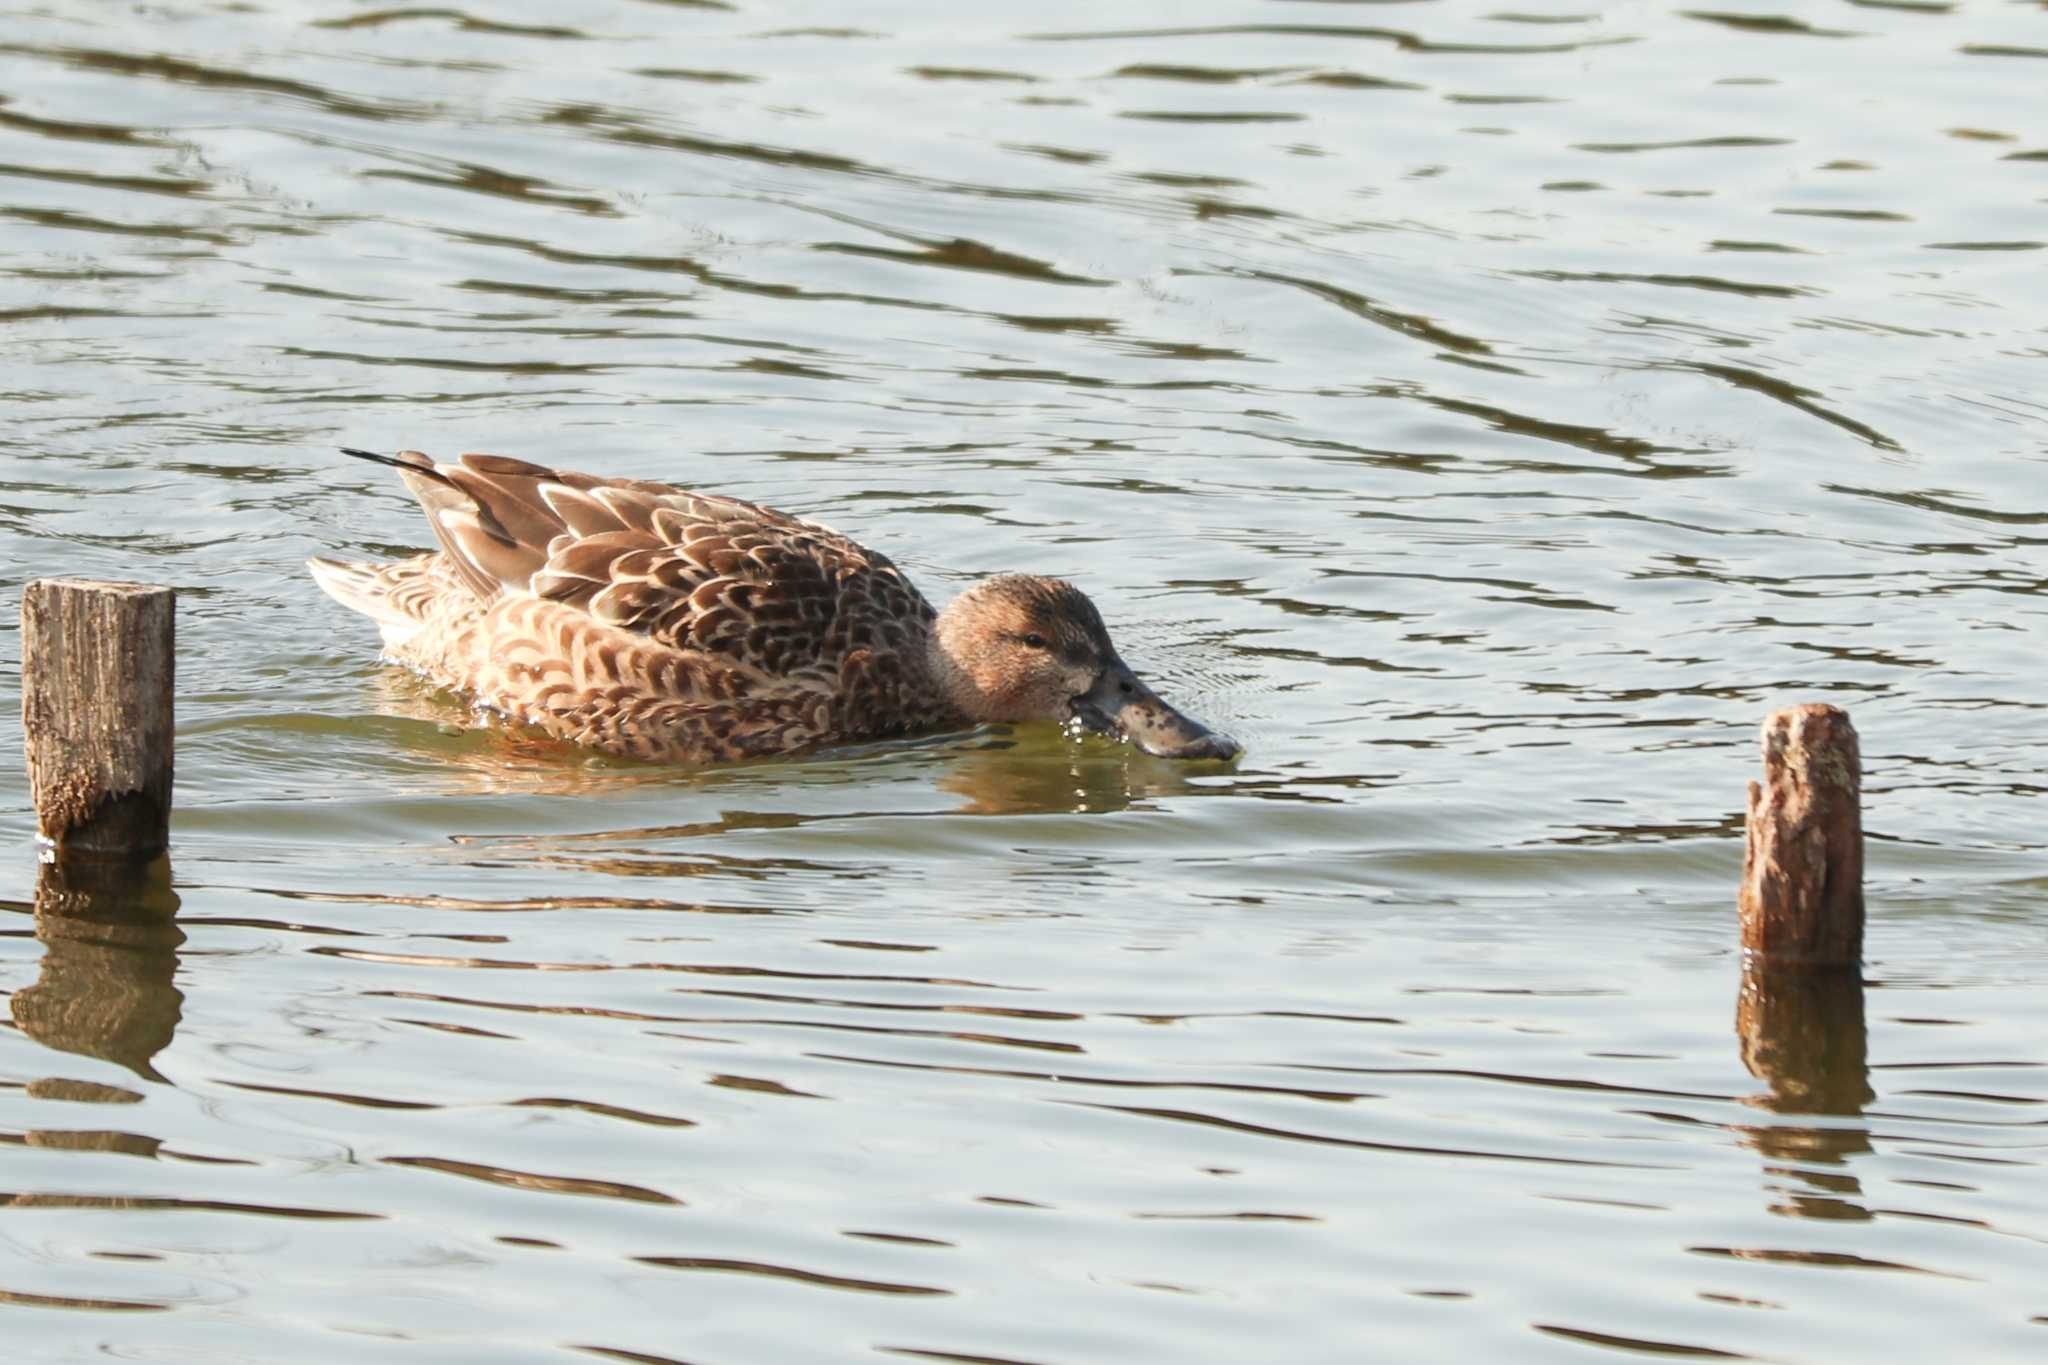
(784, 598)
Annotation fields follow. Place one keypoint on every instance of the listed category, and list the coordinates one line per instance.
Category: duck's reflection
(1004, 777)
(110, 951)
(1803, 1035)
(1036, 771)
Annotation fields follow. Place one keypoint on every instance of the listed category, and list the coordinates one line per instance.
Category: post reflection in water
(110, 950)
(1803, 1034)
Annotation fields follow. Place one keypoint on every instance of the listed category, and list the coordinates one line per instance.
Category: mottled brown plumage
(658, 623)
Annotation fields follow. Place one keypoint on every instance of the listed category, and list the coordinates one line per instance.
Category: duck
(653, 622)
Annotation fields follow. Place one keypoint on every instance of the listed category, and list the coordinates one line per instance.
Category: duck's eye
(1033, 640)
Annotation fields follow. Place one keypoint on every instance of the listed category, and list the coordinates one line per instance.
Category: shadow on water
(110, 950)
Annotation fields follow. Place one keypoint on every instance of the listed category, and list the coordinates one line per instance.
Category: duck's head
(1022, 648)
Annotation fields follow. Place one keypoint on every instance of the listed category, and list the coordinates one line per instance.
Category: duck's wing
(744, 584)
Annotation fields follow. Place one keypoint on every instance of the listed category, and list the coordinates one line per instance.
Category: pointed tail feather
(409, 461)
(465, 525)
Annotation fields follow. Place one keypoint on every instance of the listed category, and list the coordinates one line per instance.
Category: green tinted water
(1485, 415)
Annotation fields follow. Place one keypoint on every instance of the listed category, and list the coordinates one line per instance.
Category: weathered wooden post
(1800, 1014)
(1802, 873)
(97, 719)
(97, 671)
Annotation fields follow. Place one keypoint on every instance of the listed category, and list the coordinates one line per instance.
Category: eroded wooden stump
(1800, 1014)
(97, 672)
(1802, 873)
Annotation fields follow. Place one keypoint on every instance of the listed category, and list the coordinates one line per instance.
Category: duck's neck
(948, 663)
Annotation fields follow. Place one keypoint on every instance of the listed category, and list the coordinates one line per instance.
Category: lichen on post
(1802, 875)
(97, 714)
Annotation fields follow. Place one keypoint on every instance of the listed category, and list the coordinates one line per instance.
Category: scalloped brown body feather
(646, 620)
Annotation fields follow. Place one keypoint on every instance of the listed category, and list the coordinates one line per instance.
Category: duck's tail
(375, 590)
(352, 585)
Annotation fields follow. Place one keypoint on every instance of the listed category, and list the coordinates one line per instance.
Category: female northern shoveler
(653, 622)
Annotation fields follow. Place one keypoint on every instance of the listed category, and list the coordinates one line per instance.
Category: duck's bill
(1120, 704)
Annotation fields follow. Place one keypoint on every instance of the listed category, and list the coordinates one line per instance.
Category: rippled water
(1486, 414)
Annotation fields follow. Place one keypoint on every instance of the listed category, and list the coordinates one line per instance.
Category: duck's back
(647, 619)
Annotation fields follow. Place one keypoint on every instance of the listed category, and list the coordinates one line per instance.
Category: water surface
(1486, 414)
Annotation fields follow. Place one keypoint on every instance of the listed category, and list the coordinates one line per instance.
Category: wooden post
(1802, 874)
(1800, 1013)
(96, 714)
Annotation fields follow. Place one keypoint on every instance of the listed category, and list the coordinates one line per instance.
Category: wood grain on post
(1802, 873)
(97, 672)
